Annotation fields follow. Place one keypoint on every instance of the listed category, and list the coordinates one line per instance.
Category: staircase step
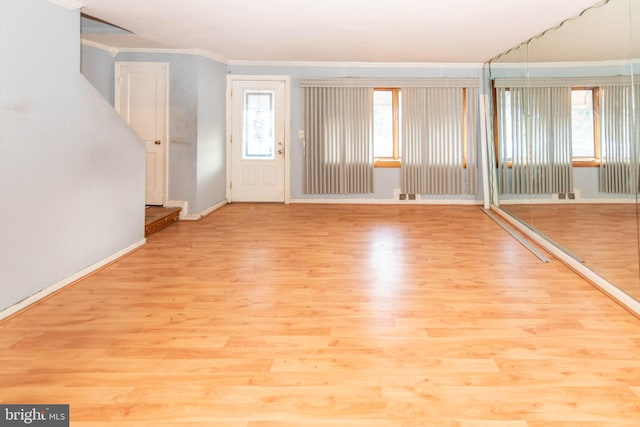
(158, 218)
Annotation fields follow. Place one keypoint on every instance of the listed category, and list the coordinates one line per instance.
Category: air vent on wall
(574, 195)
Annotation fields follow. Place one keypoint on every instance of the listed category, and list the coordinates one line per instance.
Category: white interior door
(257, 141)
(141, 99)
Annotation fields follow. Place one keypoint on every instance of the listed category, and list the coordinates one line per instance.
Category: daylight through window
(386, 127)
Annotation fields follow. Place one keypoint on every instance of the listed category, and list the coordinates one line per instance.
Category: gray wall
(211, 153)
(385, 179)
(72, 171)
(197, 119)
(97, 66)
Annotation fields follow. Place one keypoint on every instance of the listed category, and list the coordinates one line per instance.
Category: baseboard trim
(213, 208)
(389, 201)
(182, 204)
(184, 216)
(28, 301)
(567, 202)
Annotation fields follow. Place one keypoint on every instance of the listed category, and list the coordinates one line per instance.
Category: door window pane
(259, 125)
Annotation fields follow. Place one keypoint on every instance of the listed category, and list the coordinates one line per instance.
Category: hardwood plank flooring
(604, 236)
(267, 315)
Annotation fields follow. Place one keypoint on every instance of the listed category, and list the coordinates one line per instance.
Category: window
(259, 125)
(387, 132)
(534, 137)
(352, 127)
(507, 134)
(386, 127)
(584, 127)
(585, 144)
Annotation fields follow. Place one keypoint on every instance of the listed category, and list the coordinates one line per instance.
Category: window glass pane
(399, 122)
(383, 123)
(508, 126)
(258, 125)
(582, 123)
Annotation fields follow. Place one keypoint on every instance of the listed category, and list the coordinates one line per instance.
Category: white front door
(141, 99)
(258, 141)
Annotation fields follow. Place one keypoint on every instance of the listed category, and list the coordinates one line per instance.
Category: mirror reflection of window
(508, 134)
(582, 123)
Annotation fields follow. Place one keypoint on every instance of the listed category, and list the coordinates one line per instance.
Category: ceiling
(375, 31)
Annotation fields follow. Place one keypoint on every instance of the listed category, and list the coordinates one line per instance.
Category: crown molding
(514, 82)
(68, 4)
(196, 52)
(390, 82)
(207, 54)
(308, 64)
(112, 50)
(564, 64)
(333, 64)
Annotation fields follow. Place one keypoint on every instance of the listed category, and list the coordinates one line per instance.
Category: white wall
(72, 171)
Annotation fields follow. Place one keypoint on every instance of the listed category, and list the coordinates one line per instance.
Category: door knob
(158, 142)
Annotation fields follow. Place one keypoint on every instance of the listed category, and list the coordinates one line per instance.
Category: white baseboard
(182, 204)
(389, 201)
(213, 208)
(185, 216)
(567, 201)
(61, 284)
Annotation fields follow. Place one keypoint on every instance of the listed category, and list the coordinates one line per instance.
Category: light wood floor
(338, 316)
(604, 236)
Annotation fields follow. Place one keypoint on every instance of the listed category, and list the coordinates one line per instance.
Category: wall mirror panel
(565, 138)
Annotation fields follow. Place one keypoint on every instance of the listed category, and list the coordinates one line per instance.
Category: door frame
(231, 78)
(116, 104)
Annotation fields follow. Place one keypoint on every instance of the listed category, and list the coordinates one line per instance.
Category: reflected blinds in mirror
(619, 139)
(534, 136)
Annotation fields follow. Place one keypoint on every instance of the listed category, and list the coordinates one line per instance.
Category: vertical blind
(534, 134)
(619, 132)
(439, 135)
(435, 144)
(338, 123)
